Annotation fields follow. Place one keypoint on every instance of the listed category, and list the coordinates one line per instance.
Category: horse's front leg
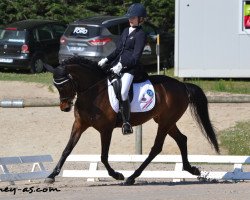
(106, 136)
(76, 132)
(181, 141)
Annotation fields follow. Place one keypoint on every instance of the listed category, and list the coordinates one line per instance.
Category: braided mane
(80, 60)
(84, 62)
(62, 70)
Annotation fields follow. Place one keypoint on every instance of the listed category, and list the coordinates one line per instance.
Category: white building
(212, 38)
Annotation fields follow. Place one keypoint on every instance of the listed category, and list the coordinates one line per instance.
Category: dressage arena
(45, 130)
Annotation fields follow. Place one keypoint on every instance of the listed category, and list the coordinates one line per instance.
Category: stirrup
(126, 128)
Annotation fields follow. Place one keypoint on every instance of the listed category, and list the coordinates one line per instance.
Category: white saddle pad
(143, 99)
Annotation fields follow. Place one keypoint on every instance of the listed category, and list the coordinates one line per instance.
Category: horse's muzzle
(66, 106)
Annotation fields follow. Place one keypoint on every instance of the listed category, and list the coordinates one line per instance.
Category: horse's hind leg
(155, 150)
(181, 141)
(74, 137)
(105, 141)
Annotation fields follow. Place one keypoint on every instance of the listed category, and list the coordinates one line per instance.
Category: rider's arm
(128, 60)
(119, 47)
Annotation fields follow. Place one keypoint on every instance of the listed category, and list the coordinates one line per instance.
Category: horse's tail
(199, 111)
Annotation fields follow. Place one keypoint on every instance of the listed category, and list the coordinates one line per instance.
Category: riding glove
(117, 68)
(102, 62)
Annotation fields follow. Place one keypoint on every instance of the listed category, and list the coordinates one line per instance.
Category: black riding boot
(125, 111)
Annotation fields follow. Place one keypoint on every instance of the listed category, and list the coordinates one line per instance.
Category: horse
(81, 77)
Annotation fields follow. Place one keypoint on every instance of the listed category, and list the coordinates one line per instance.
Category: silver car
(96, 37)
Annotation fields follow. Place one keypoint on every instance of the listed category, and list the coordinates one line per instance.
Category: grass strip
(236, 139)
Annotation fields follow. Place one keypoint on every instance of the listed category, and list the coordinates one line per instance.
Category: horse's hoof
(195, 171)
(119, 176)
(49, 180)
(129, 181)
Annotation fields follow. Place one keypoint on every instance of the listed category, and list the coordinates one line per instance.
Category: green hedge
(160, 12)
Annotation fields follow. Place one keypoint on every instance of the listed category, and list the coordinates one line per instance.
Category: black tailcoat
(129, 51)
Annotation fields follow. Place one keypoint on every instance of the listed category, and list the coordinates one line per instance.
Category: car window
(123, 26)
(82, 31)
(10, 35)
(44, 33)
(149, 29)
(35, 35)
(58, 30)
(114, 29)
(1, 33)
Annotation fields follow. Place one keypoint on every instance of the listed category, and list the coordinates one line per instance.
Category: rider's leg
(126, 81)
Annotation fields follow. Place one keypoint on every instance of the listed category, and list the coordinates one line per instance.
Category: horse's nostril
(65, 106)
(67, 109)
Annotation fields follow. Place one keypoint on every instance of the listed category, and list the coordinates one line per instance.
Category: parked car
(29, 43)
(96, 37)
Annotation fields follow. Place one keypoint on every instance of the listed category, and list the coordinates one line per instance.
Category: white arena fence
(36, 161)
(177, 174)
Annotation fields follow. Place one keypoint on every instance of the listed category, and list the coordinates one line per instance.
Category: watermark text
(28, 190)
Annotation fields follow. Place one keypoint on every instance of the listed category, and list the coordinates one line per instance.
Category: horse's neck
(94, 89)
(90, 100)
(89, 82)
(86, 79)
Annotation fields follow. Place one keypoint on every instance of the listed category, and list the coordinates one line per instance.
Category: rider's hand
(102, 62)
(117, 68)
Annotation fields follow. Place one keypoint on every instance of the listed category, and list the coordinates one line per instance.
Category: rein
(64, 78)
(91, 87)
(113, 77)
(60, 82)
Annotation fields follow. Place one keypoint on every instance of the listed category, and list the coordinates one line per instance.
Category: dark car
(96, 37)
(28, 44)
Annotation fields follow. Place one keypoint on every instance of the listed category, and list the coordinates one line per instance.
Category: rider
(124, 60)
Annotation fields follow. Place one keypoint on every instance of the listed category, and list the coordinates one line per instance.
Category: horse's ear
(49, 68)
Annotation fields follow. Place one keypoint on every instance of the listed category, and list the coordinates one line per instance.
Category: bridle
(60, 82)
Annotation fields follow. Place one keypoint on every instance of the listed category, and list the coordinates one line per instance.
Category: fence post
(138, 139)
(158, 53)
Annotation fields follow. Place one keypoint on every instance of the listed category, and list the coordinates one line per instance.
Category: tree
(160, 12)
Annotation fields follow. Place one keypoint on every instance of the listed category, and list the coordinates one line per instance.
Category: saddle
(117, 84)
(141, 94)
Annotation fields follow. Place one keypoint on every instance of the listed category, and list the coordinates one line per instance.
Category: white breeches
(126, 80)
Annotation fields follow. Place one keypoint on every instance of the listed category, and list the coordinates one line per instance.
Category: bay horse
(84, 78)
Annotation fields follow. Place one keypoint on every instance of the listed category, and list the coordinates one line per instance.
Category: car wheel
(37, 65)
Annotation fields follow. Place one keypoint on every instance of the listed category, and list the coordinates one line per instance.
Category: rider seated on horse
(124, 60)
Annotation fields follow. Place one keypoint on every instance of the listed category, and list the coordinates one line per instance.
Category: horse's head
(74, 75)
(65, 86)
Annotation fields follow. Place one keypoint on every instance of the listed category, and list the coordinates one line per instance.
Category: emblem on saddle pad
(143, 97)
(147, 99)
